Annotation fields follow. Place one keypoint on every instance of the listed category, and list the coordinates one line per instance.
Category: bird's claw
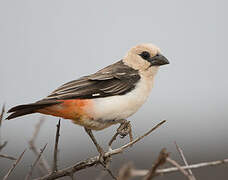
(124, 129)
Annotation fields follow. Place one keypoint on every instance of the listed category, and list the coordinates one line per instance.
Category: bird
(106, 97)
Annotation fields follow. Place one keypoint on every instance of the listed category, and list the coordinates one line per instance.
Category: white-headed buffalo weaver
(106, 97)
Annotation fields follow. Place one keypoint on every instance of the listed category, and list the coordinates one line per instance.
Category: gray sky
(46, 43)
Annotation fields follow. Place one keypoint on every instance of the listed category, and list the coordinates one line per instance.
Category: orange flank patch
(70, 109)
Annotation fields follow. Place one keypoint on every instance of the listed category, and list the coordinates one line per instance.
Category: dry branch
(194, 166)
(55, 159)
(13, 166)
(171, 161)
(163, 155)
(95, 160)
(2, 113)
(43, 165)
(125, 172)
(144, 172)
(3, 145)
(36, 132)
(105, 166)
(106, 170)
(7, 157)
(29, 175)
(119, 150)
(185, 161)
(1, 118)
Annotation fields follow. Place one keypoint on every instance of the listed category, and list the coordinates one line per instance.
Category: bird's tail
(25, 109)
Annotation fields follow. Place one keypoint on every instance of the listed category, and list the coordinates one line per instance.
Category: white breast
(121, 107)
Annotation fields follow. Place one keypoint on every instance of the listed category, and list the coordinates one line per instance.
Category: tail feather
(25, 109)
(20, 113)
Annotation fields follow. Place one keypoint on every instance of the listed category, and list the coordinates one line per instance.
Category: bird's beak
(158, 60)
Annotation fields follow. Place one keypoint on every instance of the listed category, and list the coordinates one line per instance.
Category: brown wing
(116, 79)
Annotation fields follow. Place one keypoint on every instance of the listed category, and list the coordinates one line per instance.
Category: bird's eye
(145, 55)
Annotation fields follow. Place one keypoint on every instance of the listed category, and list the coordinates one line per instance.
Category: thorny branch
(106, 167)
(95, 160)
(13, 166)
(55, 159)
(1, 118)
(36, 132)
(125, 171)
(2, 113)
(174, 163)
(29, 175)
(124, 174)
(129, 171)
(192, 177)
(7, 157)
(161, 160)
(3, 145)
(136, 172)
(43, 165)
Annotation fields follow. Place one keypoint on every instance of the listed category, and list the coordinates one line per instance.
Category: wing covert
(116, 79)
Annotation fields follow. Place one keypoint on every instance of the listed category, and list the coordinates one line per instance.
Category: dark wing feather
(116, 79)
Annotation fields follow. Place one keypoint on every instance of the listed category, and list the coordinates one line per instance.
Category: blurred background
(44, 44)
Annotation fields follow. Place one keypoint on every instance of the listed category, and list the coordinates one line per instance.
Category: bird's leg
(99, 149)
(123, 130)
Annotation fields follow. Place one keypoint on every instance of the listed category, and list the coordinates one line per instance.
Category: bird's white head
(146, 58)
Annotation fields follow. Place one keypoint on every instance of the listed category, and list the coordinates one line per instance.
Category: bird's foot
(125, 129)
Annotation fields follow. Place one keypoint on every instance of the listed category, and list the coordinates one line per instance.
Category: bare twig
(13, 166)
(36, 132)
(55, 167)
(179, 167)
(125, 172)
(130, 133)
(194, 166)
(1, 118)
(7, 157)
(113, 139)
(72, 176)
(29, 175)
(43, 165)
(101, 175)
(95, 160)
(108, 170)
(3, 145)
(143, 172)
(159, 162)
(2, 113)
(119, 150)
(185, 161)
